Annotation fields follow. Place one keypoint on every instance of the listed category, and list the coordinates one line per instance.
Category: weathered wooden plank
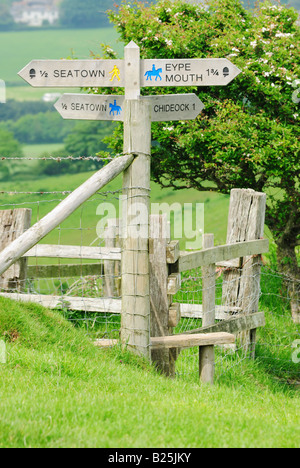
(189, 341)
(191, 260)
(32, 236)
(235, 324)
(74, 251)
(13, 223)
(65, 271)
(196, 311)
(179, 341)
(101, 305)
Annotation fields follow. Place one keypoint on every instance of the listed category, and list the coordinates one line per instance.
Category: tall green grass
(57, 390)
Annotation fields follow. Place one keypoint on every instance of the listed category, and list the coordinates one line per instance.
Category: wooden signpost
(136, 112)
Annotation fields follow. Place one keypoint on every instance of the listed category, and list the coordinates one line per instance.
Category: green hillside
(58, 391)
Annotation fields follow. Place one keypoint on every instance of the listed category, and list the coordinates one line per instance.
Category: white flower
(235, 49)
(281, 34)
(169, 129)
(295, 115)
(253, 43)
(169, 42)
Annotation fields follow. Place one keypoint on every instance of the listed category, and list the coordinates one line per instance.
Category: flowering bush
(248, 134)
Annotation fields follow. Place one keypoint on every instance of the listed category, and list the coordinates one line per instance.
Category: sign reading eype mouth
(105, 107)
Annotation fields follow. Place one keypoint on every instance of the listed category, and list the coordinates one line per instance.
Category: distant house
(35, 12)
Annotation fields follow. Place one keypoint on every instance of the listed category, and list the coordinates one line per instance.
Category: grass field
(57, 390)
(34, 151)
(19, 48)
(215, 205)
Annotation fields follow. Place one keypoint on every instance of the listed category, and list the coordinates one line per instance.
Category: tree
(86, 139)
(87, 14)
(248, 135)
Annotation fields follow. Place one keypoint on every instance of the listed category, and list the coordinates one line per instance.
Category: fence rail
(229, 252)
(75, 252)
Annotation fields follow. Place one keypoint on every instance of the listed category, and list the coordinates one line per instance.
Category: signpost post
(136, 112)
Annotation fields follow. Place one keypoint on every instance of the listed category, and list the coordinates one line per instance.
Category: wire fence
(56, 281)
(76, 286)
(275, 341)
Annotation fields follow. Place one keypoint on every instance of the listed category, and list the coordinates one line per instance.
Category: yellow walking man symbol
(115, 73)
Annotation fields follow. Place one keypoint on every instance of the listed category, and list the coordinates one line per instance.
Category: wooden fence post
(159, 301)
(135, 324)
(207, 353)
(13, 223)
(112, 269)
(241, 284)
(135, 320)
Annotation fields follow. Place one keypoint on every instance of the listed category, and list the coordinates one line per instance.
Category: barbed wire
(59, 158)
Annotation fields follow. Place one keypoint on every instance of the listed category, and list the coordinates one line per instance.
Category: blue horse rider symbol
(114, 108)
(155, 72)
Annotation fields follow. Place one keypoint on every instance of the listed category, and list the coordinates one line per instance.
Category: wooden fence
(151, 264)
(220, 324)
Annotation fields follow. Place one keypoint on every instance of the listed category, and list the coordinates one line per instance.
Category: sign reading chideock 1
(164, 108)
